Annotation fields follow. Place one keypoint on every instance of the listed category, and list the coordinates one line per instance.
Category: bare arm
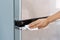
(54, 17)
(44, 22)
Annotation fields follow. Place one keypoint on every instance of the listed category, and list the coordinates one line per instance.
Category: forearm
(54, 17)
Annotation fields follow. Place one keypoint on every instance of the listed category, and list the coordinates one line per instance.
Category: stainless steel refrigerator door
(39, 8)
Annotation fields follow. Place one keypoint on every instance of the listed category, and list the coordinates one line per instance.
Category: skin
(41, 23)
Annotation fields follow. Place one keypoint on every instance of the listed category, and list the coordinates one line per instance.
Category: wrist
(49, 20)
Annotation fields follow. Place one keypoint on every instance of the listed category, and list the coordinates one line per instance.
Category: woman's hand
(40, 23)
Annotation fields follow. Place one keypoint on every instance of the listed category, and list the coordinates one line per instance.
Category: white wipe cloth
(27, 28)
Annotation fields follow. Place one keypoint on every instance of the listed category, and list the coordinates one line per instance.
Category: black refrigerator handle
(22, 23)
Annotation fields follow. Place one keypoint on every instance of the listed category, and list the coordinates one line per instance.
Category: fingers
(33, 24)
(41, 23)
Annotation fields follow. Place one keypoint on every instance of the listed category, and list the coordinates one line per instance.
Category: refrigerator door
(39, 8)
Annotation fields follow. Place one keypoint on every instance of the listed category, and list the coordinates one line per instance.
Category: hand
(40, 23)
